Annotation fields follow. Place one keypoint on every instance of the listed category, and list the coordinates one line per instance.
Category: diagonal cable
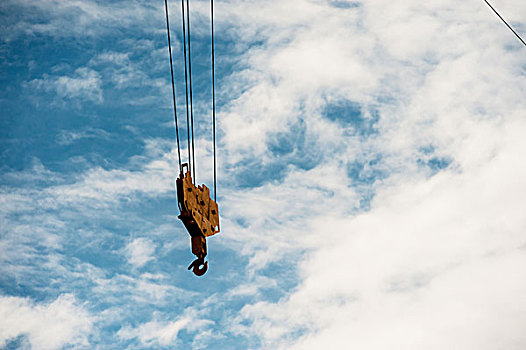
(173, 84)
(506, 23)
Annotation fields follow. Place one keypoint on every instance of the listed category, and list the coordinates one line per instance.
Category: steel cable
(506, 23)
(173, 85)
(186, 86)
(190, 79)
(213, 96)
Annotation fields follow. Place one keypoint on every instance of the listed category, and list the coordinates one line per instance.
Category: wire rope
(506, 23)
(190, 79)
(173, 84)
(186, 88)
(213, 96)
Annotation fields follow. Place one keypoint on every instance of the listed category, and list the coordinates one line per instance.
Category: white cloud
(140, 251)
(435, 262)
(53, 18)
(47, 326)
(126, 73)
(66, 138)
(84, 84)
(164, 333)
(150, 333)
(100, 187)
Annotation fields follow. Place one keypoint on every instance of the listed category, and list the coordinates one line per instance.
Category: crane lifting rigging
(200, 216)
(198, 211)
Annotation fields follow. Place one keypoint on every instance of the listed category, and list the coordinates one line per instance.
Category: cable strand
(213, 96)
(190, 78)
(506, 23)
(173, 84)
(186, 88)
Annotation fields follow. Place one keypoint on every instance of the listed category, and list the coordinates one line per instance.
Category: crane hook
(199, 266)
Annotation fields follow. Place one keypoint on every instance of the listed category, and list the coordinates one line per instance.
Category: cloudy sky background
(371, 176)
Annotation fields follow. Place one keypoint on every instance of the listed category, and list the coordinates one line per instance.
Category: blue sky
(370, 176)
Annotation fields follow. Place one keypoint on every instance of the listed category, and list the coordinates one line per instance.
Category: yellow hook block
(199, 214)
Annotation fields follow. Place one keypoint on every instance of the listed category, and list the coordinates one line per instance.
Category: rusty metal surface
(199, 214)
(201, 207)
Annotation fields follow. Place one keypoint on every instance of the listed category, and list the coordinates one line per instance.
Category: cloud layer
(371, 180)
(47, 326)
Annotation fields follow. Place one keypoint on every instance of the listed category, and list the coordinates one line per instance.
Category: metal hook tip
(196, 267)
